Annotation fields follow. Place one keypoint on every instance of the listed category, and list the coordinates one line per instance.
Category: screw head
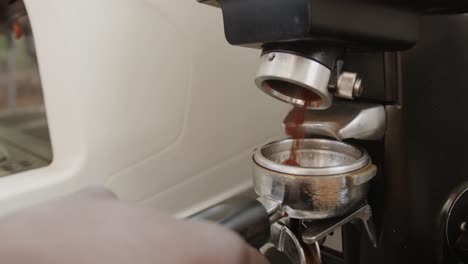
(272, 56)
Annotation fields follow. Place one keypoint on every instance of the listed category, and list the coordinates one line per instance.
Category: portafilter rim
(268, 164)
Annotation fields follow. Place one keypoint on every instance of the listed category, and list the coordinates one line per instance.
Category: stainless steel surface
(348, 85)
(284, 240)
(318, 230)
(334, 177)
(285, 76)
(316, 156)
(271, 206)
(334, 241)
(344, 120)
(358, 87)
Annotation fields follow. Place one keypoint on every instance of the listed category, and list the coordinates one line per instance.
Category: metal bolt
(348, 85)
(357, 89)
(271, 56)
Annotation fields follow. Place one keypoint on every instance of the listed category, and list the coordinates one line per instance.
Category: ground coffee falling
(295, 128)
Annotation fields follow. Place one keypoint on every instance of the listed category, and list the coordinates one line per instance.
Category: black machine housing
(413, 57)
(359, 24)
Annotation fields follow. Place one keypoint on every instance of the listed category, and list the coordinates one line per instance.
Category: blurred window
(24, 134)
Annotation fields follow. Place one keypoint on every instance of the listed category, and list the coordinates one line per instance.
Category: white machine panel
(146, 97)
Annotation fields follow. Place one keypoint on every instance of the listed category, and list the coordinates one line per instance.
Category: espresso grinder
(384, 157)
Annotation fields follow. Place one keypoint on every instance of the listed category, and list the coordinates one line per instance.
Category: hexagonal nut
(348, 85)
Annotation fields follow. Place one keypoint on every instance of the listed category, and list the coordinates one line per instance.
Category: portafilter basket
(333, 177)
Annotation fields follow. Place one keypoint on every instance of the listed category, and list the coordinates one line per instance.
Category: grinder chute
(297, 76)
(310, 76)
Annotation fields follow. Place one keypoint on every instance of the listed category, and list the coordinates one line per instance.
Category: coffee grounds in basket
(295, 128)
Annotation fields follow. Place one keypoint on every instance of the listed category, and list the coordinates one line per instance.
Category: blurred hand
(94, 227)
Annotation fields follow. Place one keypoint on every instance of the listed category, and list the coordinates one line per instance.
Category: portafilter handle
(244, 215)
